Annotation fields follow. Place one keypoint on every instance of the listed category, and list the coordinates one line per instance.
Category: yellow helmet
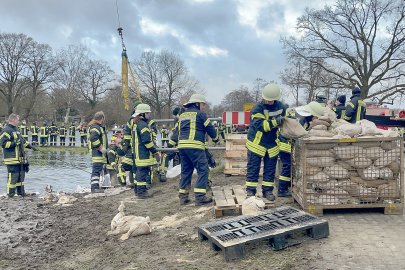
(196, 98)
(141, 108)
(271, 92)
(315, 108)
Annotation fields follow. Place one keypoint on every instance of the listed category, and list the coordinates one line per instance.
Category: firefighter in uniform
(164, 132)
(114, 152)
(14, 156)
(305, 116)
(83, 135)
(98, 145)
(340, 108)
(128, 161)
(193, 126)
(53, 134)
(44, 131)
(355, 108)
(24, 130)
(72, 135)
(143, 148)
(62, 135)
(34, 133)
(221, 131)
(262, 143)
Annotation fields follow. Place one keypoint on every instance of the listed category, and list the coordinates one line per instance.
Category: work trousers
(83, 140)
(142, 178)
(44, 140)
(34, 139)
(62, 141)
(253, 170)
(130, 172)
(15, 180)
(53, 139)
(97, 169)
(72, 141)
(193, 159)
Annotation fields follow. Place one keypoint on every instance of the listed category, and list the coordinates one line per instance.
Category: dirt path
(38, 236)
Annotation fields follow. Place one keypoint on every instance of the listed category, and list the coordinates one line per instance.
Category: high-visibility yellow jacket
(13, 145)
(98, 137)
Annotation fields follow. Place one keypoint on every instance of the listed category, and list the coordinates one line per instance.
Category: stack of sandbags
(346, 174)
(328, 126)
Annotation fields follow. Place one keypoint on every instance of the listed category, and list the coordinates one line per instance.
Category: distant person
(340, 107)
(53, 134)
(321, 99)
(62, 135)
(34, 133)
(72, 135)
(355, 108)
(99, 145)
(24, 130)
(14, 156)
(44, 134)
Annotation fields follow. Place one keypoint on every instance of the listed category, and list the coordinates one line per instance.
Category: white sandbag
(338, 123)
(320, 127)
(252, 206)
(348, 152)
(66, 199)
(328, 200)
(318, 178)
(342, 195)
(292, 129)
(337, 171)
(311, 170)
(369, 195)
(320, 153)
(368, 128)
(373, 152)
(320, 133)
(359, 162)
(370, 173)
(350, 187)
(389, 145)
(174, 172)
(388, 157)
(391, 133)
(328, 115)
(321, 146)
(394, 167)
(129, 225)
(386, 173)
(388, 191)
(351, 130)
(319, 122)
(331, 184)
(321, 161)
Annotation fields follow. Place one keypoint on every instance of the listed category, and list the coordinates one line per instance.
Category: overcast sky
(224, 43)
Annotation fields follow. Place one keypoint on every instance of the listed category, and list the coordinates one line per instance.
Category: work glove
(279, 119)
(216, 141)
(17, 142)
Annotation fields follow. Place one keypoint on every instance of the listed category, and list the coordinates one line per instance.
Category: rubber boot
(269, 195)
(202, 200)
(95, 188)
(162, 177)
(143, 193)
(250, 193)
(284, 193)
(184, 199)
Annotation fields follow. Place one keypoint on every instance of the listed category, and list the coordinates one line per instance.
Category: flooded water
(63, 170)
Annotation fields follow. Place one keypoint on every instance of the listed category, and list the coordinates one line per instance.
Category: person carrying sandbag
(262, 143)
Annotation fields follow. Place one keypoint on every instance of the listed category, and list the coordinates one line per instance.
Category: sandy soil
(34, 235)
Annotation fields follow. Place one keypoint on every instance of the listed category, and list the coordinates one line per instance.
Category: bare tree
(97, 82)
(14, 51)
(41, 67)
(70, 75)
(234, 100)
(258, 85)
(149, 72)
(359, 41)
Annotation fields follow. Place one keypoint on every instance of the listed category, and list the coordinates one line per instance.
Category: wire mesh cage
(348, 173)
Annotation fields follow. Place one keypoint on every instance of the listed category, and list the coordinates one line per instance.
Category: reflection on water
(63, 170)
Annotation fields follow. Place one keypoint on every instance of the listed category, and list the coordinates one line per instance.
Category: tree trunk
(10, 105)
(31, 104)
(67, 114)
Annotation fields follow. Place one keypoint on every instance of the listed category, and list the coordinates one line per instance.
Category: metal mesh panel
(347, 173)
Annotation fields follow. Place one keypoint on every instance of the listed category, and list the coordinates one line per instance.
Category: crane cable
(125, 66)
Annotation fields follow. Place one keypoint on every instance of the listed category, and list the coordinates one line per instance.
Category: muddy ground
(34, 235)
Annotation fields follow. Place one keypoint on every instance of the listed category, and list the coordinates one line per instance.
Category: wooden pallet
(318, 210)
(280, 227)
(229, 200)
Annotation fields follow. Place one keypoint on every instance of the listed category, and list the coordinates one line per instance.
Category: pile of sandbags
(358, 173)
(328, 126)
